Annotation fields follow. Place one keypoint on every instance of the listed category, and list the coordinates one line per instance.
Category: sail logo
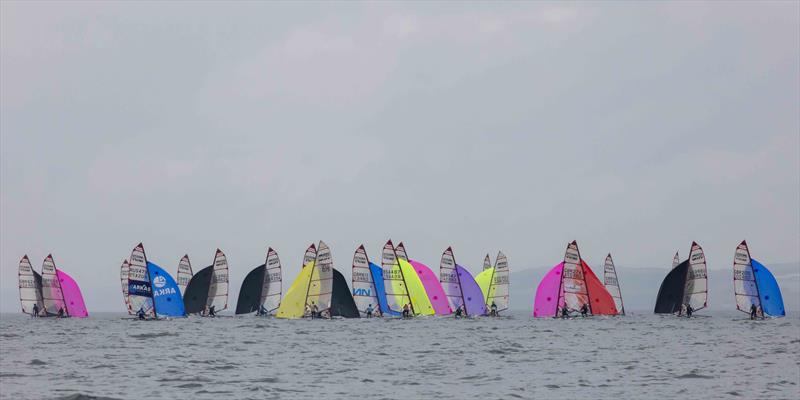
(136, 257)
(359, 259)
(361, 277)
(159, 281)
(274, 277)
(449, 277)
(164, 292)
(742, 257)
(220, 278)
(500, 279)
(569, 256)
(272, 261)
(698, 256)
(362, 292)
(699, 273)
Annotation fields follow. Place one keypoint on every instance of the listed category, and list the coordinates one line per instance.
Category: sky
(633, 128)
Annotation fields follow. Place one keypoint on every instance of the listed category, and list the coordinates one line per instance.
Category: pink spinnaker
(73, 298)
(547, 296)
(433, 288)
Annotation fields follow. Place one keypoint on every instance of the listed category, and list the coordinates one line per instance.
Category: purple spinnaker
(546, 303)
(73, 298)
(474, 303)
(433, 288)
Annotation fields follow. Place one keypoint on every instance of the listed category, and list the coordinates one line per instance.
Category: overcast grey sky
(634, 128)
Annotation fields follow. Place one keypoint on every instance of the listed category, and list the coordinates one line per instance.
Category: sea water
(246, 357)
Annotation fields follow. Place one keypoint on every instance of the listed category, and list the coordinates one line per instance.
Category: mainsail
(459, 286)
(73, 298)
(342, 303)
(184, 273)
(218, 288)
(140, 293)
(310, 255)
(676, 260)
(612, 283)
(573, 293)
(124, 270)
(433, 288)
(696, 292)
(547, 293)
(30, 290)
(494, 282)
(417, 290)
(753, 284)
(364, 292)
(273, 282)
(396, 291)
(166, 294)
(52, 295)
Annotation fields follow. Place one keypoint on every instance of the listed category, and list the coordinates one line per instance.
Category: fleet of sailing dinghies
(754, 287)
(685, 285)
(261, 289)
(494, 282)
(52, 294)
(460, 287)
(150, 291)
(184, 273)
(398, 287)
(571, 285)
(207, 290)
(612, 283)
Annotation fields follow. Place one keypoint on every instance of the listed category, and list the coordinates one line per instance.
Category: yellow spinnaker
(293, 304)
(419, 297)
(484, 280)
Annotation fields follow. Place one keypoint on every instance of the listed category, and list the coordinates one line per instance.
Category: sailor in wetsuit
(459, 312)
(212, 311)
(369, 311)
(753, 311)
(61, 312)
(564, 312)
(314, 311)
(493, 309)
(584, 310)
(689, 311)
(262, 310)
(140, 313)
(35, 312)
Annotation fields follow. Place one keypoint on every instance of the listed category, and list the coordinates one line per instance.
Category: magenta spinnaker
(433, 288)
(73, 298)
(546, 302)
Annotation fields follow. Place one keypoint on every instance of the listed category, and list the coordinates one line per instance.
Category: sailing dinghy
(368, 289)
(60, 292)
(430, 284)
(151, 288)
(314, 285)
(460, 287)
(612, 283)
(402, 284)
(570, 285)
(261, 289)
(494, 283)
(686, 283)
(208, 288)
(30, 287)
(754, 285)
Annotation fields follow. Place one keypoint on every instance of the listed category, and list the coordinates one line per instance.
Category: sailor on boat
(584, 310)
(211, 311)
(564, 312)
(140, 313)
(689, 311)
(61, 312)
(493, 308)
(459, 311)
(314, 310)
(369, 311)
(262, 310)
(406, 311)
(753, 311)
(35, 311)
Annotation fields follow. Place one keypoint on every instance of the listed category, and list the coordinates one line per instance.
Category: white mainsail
(676, 260)
(218, 289)
(498, 291)
(272, 287)
(487, 262)
(745, 288)
(184, 273)
(696, 289)
(52, 297)
(394, 284)
(30, 293)
(449, 279)
(364, 291)
(140, 293)
(612, 283)
(310, 254)
(573, 282)
(321, 285)
(124, 270)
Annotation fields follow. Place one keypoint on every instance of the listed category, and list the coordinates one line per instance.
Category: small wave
(153, 335)
(81, 396)
(190, 385)
(693, 375)
(37, 361)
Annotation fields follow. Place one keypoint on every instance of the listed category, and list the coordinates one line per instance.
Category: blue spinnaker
(377, 278)
(166, 295)
(768, 290)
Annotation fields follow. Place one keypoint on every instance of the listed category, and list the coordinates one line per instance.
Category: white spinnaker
(487, 262)
(52, 297)
(273, 282)
(138, 276)
(184, 273)
(696, 289)
(448, 277)
(745, 288)
(29, 292)
(499, 285)
(393, 282)
(573, 282)
(310, 255)
(676, 260)
(323, 276)
(218, 289)
(124, 270)
(364, 292)
(612, 283)
(400, 250)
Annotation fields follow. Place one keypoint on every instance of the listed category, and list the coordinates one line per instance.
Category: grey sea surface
(246, 357)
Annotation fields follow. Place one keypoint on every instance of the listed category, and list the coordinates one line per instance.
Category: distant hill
(640, 286)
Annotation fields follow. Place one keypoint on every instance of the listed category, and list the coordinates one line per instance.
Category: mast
(403, 277)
